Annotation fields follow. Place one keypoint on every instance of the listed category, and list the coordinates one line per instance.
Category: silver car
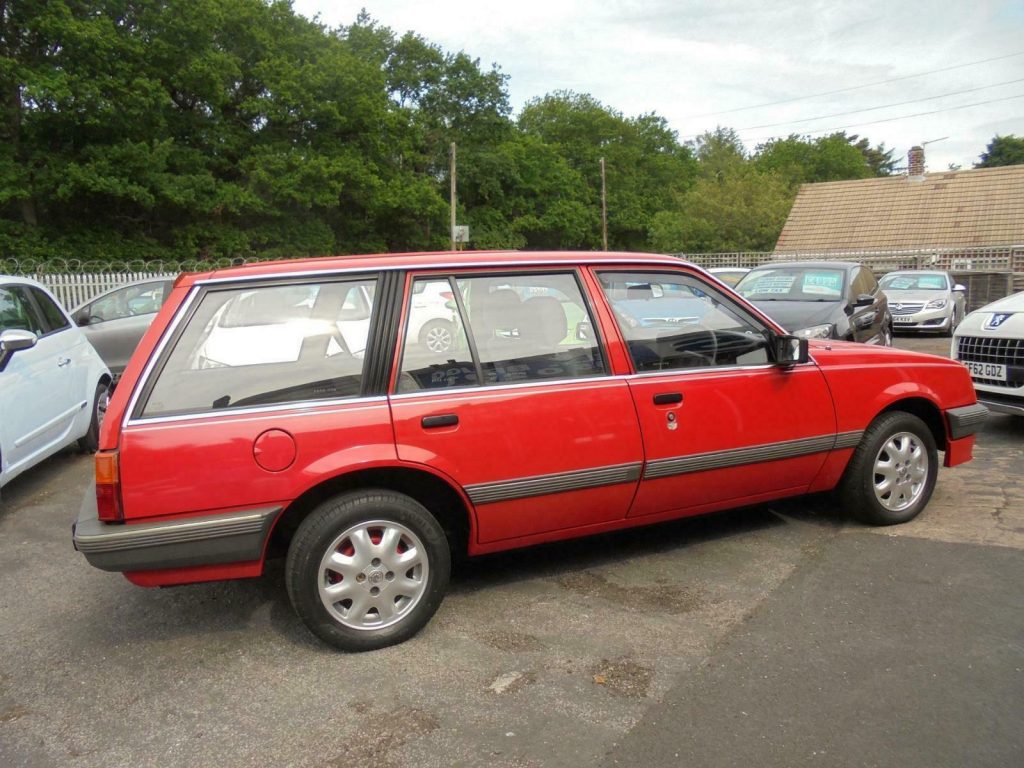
(115, 321)
(924, 300)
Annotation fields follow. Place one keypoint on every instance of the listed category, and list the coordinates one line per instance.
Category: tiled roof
(983, 207)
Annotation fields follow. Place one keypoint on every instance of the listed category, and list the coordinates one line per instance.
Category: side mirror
(82, 316)
(790, 351)
(864, 300)
(13, 341)
(584, 332)
(960, 288)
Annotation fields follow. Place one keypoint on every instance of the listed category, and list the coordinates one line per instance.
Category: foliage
(1002, 150)
(219, 129)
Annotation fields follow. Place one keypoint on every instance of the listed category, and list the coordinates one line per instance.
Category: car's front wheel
(367, 569)
(892, 472)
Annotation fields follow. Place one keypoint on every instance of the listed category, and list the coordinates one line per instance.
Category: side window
(524, 328)
(275, 344)
(863, 282)
(53, 316)
(673, 321)
(132, 300)
(17, 312)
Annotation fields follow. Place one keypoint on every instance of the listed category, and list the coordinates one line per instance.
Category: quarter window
(245, 347)
(672, 321)
(523, 328)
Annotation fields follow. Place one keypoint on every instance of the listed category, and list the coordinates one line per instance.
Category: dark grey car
(821, 300)
(116, 320)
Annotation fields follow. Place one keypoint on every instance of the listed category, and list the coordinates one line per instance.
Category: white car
(54, 388)
(990, 342)
(924, 300)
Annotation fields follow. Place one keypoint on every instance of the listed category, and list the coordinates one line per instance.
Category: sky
(765, 69)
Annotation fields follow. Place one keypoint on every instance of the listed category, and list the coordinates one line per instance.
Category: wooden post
(452, 201)
(604, 209)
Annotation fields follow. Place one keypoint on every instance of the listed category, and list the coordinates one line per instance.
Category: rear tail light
(108, 487)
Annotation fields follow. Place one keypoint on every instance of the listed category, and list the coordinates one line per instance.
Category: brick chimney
(915, 163)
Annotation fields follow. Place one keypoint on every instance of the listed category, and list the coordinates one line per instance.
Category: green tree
(836, 157)
(1002, 150)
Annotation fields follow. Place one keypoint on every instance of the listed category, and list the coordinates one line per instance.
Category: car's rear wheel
(367, 569)
(101, 399)
(892, 472)
(437, 335)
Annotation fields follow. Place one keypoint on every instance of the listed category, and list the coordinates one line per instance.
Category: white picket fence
(74, 289)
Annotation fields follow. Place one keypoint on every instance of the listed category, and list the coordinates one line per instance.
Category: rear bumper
(212, 539)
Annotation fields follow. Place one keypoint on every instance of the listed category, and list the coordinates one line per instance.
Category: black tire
(325, 533)
(90, 441)
(877, 505)
(437, 335)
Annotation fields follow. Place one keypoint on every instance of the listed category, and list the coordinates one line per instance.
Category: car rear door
(520, 409)
(722, 424)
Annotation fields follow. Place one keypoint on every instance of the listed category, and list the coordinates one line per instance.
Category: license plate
(987, 371)
(898, 319)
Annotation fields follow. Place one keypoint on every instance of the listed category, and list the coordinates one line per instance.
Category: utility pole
(452, 202)
(604, 209)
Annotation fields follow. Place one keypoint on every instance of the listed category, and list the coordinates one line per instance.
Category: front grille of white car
(906, 307)
(1008, 352)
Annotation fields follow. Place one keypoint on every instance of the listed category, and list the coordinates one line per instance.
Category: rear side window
(132, 300)
(522, 328)
(245, 347)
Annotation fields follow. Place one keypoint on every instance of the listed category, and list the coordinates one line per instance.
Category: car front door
(721, 423)
(520, 408)
(116, 322)
(38, 405)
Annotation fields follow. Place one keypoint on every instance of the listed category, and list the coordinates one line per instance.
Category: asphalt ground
(777, 635)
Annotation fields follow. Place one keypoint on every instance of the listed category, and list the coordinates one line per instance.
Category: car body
(554, 413)
(53, 385)
(115, 321)
(729, 275)
(990, 342)
(821, 300)
(924, 300)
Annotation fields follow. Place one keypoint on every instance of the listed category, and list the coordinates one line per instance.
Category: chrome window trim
(581, 263)
(285, 409)
(490, 388)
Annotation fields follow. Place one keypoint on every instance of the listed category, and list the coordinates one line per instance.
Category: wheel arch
(925, 410)
(438, 495)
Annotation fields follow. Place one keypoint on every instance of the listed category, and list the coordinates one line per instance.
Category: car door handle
(62, 361)
(442, 420)
(668, 398)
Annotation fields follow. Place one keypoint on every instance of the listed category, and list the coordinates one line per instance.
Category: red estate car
(292, 408)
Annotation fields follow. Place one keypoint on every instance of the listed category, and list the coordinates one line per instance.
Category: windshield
(792, 284)
(909, 281)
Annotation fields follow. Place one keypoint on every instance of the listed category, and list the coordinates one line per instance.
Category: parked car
(729, 275)
(990, 342)
(554, 413)
(53, 386)
(924, 300)
(115, 320)
(821, 300)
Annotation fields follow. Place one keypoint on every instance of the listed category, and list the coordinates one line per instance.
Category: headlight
(816, 331)
(936, 304)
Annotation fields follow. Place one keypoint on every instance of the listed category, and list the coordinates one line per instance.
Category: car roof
(814, 264)
(433, 260)
(21, 280)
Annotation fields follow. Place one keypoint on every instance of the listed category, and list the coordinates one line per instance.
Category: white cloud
(684, 59)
